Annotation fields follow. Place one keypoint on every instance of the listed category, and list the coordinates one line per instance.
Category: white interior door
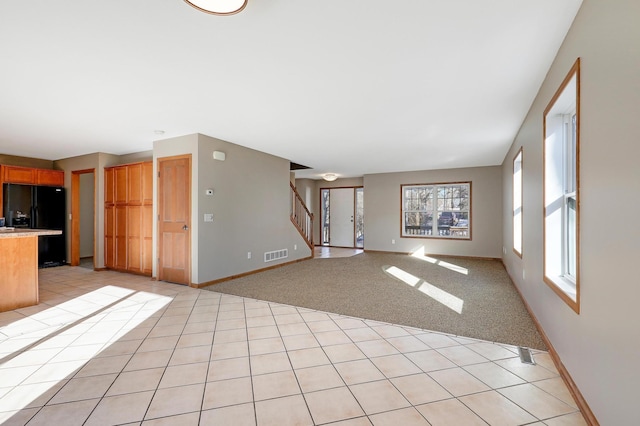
(341, 215)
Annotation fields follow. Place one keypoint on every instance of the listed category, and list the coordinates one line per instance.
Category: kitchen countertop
(25, 232)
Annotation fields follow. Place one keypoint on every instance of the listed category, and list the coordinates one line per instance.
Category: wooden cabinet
(128, 203)
(15, 174)
(30, 176)
(49, 177)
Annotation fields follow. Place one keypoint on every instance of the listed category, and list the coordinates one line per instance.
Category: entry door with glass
(342, 217)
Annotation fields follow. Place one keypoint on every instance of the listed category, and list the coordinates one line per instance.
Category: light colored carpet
(461, 296)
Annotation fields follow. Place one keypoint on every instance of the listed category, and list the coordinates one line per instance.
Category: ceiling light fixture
(218, 7)
(329, 177)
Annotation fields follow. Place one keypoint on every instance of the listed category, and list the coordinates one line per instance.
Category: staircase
(301, 217)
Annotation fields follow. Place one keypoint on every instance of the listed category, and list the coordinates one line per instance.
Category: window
(324, 217)
(448, 203)
(517, 203)
(360, 217)
(561, 190)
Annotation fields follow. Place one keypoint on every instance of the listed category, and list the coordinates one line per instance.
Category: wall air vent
(270, 256)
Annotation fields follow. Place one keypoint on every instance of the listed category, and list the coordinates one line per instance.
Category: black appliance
(38, 207)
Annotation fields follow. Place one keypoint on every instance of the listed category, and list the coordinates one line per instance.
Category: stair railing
(301, 217)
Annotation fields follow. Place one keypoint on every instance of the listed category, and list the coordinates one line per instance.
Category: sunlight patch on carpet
(449, 300)
(419, 254)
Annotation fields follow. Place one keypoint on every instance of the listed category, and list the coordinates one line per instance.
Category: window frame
(555, 275)
(434, 211)
(516, 203)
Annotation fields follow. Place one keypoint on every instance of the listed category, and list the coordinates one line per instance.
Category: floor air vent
(526, 357)
(270, 256)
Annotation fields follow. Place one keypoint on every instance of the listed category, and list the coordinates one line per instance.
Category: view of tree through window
(448, 203)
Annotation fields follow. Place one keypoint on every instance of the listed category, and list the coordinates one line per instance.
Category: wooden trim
(573, 304)
(521, 154)
(449, 256)
(585, 410)
(246, 274)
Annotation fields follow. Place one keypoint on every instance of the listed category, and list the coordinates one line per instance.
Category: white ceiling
(349, 87)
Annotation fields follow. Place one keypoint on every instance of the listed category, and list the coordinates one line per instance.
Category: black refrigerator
(38, 207)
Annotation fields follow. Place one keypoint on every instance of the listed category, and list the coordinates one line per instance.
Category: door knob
(185, 228)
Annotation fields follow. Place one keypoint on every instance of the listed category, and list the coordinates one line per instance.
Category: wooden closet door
(134, 184)
(134, 240)
(120, 185)
(147, 218)
(109, 236)
(109, 218)
(121, 237)
(147, 183)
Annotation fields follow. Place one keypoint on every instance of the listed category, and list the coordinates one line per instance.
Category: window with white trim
(517, 203)
(561, 190)
(437, 210)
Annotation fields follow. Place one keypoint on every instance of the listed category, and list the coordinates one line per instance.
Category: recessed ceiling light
(218, 7)
(159, 132)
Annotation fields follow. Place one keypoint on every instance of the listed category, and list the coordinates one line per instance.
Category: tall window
(437, 210)
(324, 217)
(517, 203)
(561, 190)
(360, 217)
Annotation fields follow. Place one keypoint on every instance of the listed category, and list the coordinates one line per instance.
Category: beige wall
(382, 203)
(251, 208)
(250, 205)
(12, 160)
(601, 345)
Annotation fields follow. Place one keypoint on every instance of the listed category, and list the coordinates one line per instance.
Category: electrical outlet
(208, 217)
(393, 241)
(248, 255)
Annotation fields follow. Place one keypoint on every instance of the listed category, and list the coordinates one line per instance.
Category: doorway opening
(342, 217)
(83, 218)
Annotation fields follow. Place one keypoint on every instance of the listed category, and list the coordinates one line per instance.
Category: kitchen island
(19, 267)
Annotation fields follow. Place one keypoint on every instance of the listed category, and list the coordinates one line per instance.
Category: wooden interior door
(174, 219)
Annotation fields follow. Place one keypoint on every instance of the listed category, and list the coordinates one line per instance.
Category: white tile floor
(105, 348)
